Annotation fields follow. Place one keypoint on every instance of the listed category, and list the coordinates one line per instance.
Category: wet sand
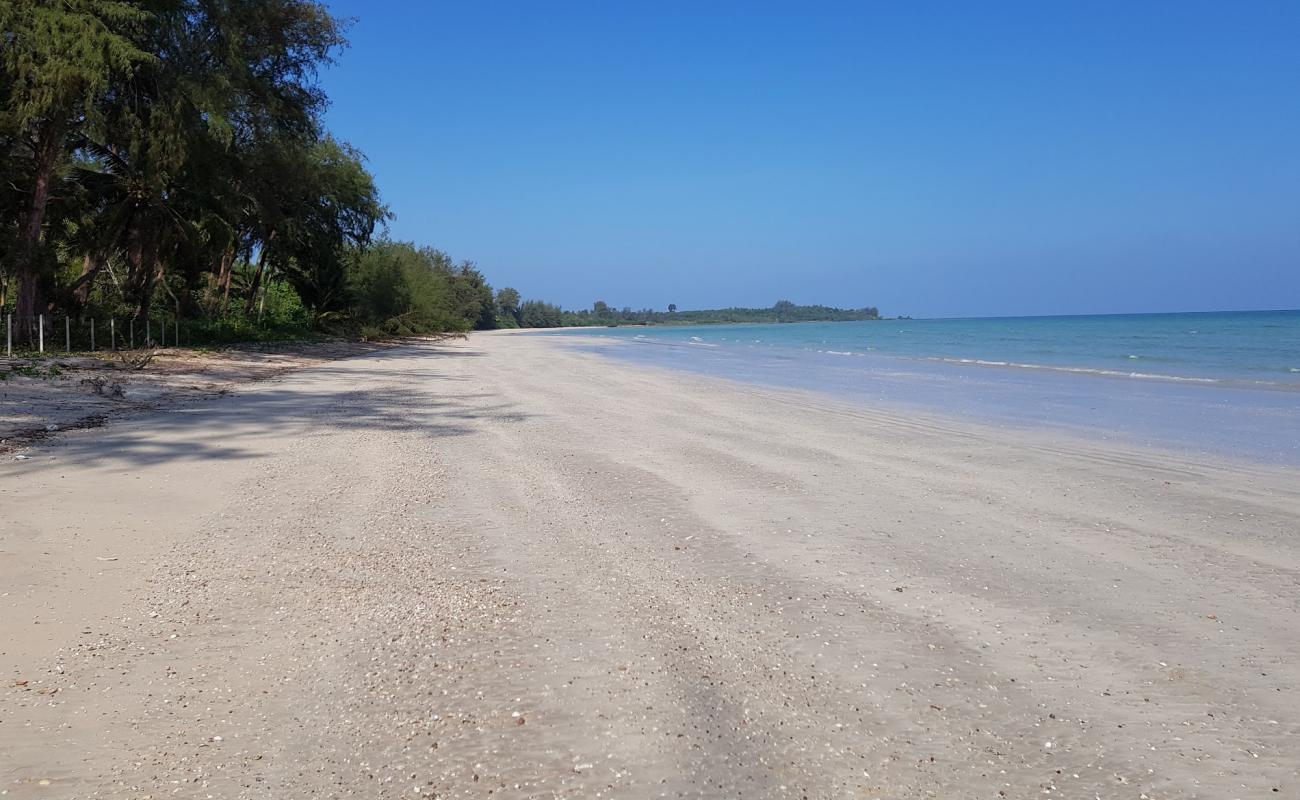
(504, 567)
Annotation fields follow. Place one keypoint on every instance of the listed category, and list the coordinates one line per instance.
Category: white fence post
(41, 336)
(112, 333)
(9, 335)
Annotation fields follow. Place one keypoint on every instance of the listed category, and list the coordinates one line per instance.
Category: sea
(1221, 384)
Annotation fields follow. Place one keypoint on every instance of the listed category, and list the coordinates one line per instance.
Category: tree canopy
(171, 153)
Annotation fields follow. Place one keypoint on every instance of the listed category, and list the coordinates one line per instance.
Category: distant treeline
(536, 314)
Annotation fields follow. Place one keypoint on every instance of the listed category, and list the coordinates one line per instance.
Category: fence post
(67, 334)
(41, 326)
(162, 333)
(176, 340)
(131, 327)
(148, 334)
(92, 334)
(9, 335)
(112, 333)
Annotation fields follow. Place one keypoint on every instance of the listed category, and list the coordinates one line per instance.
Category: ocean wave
(1114, 373)
(1288, 383)
(662, 342)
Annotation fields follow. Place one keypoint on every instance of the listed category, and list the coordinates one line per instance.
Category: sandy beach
(502, 567)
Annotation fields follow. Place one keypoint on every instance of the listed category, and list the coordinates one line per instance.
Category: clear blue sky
(936, 159)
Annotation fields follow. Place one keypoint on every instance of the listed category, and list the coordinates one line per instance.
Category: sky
(931, 159)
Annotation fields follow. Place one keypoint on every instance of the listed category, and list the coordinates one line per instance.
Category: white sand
(499, 565)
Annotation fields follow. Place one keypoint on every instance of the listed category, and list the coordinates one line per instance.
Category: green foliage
(60, 56)
(396, 288)
(331, 205)
(283, 308)
(149, 149)
(536, 314)
(239, 328)
(508, 308)
(474, 298)
(58, 59)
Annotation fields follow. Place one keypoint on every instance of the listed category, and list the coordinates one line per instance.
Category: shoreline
(1229, 381)
(573, 575)
(1010, 366)
(1246, 424)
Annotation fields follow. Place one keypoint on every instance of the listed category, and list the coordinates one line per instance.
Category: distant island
(538, 314)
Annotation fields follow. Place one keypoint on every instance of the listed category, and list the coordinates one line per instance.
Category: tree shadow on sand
(246, 425)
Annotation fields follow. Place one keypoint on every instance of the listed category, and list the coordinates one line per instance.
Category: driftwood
(136, 359)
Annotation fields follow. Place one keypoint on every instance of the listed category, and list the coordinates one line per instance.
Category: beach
(510, 566)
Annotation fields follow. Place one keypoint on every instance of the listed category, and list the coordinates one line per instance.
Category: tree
(172, 152)
(672, 308)
(474, 296)
(59, 58)
(208, 146)
(328, 205)
(397, 288)
(508, 303)
(536, 314)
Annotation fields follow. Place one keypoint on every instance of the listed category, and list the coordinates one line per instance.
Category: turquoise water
(1257, 346)
(1221, 384)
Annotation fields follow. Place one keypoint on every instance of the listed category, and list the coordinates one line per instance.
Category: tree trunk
(162, 281)
(148, 278)
(49, 140)
(257, 276)
(90, 267)
(223, 276)
(142, 255)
